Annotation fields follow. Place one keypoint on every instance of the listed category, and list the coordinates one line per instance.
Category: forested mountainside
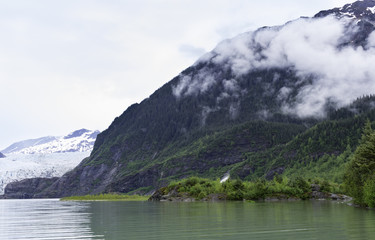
(290, 99)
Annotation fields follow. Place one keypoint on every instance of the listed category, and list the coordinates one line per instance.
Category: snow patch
(371, 9)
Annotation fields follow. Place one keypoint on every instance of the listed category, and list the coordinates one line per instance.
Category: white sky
(73, 64)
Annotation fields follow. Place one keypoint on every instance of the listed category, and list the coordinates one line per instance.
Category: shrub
(299, 187)
(278, 178)
(325, 186)
(234, 189)
(191, 181)
(239, 190)
(369, 192)
(238, 185)
(257, 190)
(235, 195)
(299, 183)
(196, 190)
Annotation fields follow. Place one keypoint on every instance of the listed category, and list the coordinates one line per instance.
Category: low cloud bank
(316, 48)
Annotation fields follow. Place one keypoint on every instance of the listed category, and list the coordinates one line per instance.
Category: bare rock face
(27, 188)
(79, 181)
(360, 9)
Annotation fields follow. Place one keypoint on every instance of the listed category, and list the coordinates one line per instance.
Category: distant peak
(359, 9)
(77, 133)
(78, 141)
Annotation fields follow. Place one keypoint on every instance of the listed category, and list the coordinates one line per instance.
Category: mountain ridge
(255, 106)
(78, 141)
(358, 9)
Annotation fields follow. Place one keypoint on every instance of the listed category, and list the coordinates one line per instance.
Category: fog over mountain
(319, 50)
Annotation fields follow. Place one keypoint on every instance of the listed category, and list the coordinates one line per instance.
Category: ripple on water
(45, 219)
(52, 219)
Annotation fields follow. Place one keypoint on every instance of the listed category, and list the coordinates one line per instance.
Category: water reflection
(231, 220)
(52, 219)
(45, 219)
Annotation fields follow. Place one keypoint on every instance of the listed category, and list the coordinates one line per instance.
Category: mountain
(45, 157)
(357, 10)
(78, 141)
(2, 155)
(288, 99)
(18, 146)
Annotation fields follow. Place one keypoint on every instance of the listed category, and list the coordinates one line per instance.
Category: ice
(17, 167)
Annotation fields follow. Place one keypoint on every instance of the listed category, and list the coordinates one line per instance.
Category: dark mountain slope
(363, 14)
(323, 143)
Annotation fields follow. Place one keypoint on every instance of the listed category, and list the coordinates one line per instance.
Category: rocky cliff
(28, 188)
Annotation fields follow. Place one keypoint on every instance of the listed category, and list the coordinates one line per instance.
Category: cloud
(206, 112)
(311, 47)
(331, 71)
(72, 64)
(236, 54)
(231, 86)
(371, 40)
(195, 84)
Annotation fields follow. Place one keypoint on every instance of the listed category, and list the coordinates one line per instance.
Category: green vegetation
(163, 139)
(249, 151)
(279, 187)
(360, 176)
(106, 197)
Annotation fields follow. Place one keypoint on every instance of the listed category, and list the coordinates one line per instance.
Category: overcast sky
(66, 65)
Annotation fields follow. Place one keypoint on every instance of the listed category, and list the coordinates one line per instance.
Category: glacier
(16, 167)
(45, 157)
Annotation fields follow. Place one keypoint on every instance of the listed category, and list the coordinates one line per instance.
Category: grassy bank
(106, 197)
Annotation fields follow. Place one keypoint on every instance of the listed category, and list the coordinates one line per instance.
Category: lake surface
(53, 219)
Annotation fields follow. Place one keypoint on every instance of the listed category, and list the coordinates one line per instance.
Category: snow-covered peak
(78, 141)
(364, 9)
(18, 146)
(82, 132)
(2, 155)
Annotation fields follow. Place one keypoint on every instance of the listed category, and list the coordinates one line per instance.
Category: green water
(51, 219)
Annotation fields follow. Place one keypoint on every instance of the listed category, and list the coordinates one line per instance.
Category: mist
(315, 48)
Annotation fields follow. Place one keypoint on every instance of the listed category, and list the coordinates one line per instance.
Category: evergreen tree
(362, 166)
